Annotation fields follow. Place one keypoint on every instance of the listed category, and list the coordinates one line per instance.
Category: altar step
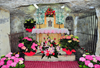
(63, 57)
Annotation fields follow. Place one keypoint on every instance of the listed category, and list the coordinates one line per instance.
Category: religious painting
(49, 23)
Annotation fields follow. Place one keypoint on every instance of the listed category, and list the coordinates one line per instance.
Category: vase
(30, 30)
(30, 53)
(50, 22)
(68, 52)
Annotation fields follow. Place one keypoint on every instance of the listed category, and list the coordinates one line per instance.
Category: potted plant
(89, 61)
(28, 45)
(11, 60)
(49, 48)
(29, 24)
(69, 43)
(49, 12)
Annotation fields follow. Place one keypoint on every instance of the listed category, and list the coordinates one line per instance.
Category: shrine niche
(52, 24)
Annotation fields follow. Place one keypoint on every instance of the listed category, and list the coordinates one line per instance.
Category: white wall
(4, 31)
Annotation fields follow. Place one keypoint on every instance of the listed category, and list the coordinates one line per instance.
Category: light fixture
(36, 6)
(62, 6)
(91, 7)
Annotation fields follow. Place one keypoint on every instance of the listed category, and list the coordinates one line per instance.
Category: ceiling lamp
(91, 7)
(62, 6)
(36, 6)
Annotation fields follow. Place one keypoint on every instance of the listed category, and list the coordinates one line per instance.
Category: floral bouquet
(49, 48)
(11, 61)
(49, 12)
(29, 24)
(89, 61)
(69, 43)
(28, 45)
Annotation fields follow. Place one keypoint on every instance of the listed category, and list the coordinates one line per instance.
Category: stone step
(63, 57)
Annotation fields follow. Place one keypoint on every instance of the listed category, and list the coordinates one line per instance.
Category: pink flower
(23, 47)
(68, 37)
(3, 59)
(90, 64)
(98, 58)
(13, 57)
(87, 62)
(9, 62)
(17, 55)
(89, 57)
(21, 59)
(40, 47)
(4, 66)
(33, 46)
(16, 60)
(13, 64)
(74, 39)
(20, 44)
(1, 63)
(8, 55)
(29, 39)
(82, 59)
(25, 38)
(96, 66)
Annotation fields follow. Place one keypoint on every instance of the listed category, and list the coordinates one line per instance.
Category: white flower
(20, 62)
(84, 55)
(94, 60)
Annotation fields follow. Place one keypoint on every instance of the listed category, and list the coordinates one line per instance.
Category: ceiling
(74, 5)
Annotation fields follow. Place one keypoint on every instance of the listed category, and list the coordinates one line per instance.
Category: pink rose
(16, 60)
(87, 62)
(82, 59)
(25, 38)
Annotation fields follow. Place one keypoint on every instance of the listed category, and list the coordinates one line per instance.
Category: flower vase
(30, 53)
(50, 22)
(68, 52)
(30, 30)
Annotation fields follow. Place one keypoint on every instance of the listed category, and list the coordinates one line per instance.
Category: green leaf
(80, 65)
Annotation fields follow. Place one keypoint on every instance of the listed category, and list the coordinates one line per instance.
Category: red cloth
(56, 64)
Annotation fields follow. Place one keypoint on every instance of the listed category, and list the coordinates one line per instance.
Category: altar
(53, 33)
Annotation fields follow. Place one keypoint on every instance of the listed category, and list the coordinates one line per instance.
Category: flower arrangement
(49, 12)
(29, 24)
(11, 61)
(89, 61)
(27, 44)
(69, 43)
(49, 48)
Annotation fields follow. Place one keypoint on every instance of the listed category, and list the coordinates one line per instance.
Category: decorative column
(98, 40)
(4, 31)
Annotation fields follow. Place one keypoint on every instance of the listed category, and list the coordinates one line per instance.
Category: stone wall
(4, 31)
(87, 31)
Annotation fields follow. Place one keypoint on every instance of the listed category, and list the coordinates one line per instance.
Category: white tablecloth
(50, 30)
